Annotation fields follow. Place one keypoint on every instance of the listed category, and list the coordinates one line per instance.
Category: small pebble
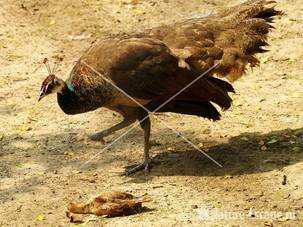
(284, 181)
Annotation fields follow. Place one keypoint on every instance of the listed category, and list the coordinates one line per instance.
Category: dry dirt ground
(43, 157)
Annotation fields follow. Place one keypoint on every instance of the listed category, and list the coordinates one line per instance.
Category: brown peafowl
(137, 73)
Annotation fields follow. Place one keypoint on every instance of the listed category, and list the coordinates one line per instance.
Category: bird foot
(97, 137)
(146, 166)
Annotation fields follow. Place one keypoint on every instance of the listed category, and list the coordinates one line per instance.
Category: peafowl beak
(42, 94)
(40, 97)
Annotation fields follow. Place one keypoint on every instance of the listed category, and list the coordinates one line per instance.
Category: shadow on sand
(240, 155)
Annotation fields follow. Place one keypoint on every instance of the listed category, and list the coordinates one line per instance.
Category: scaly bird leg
(145, 125)
(100, 135)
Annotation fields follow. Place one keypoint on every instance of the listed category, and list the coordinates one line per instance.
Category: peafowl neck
(72, 103)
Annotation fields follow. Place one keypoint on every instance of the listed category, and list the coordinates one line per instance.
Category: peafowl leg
(145, 125)
(100, 135)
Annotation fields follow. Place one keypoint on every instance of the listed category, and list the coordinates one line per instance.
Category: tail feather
(251, 22)
(268, 14)
(251, 9)
(230, 38)
(209, 89)
(190, 107)
(222, 84)
(197, 99)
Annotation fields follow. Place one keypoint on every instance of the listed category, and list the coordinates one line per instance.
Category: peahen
(154, 65)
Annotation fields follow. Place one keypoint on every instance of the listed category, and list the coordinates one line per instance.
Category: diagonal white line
(111, 82)
(187, 86)
(189, 142)
(113, 142)
(139, 104)
(143, 107)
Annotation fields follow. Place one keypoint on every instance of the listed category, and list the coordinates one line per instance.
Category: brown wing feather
(232, 38)
(144, 68)
(159, 62)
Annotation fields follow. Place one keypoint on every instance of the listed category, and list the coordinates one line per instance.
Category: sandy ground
(43, 161)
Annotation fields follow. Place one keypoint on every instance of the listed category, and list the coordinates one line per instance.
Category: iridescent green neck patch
(70, 86)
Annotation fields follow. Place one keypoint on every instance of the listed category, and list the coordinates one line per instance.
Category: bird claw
(146, 166)
(97, 137)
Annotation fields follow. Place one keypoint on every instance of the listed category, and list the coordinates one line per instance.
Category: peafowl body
(137, 73)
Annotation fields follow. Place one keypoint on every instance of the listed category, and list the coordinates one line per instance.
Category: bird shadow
(243, 154)
(247, 153)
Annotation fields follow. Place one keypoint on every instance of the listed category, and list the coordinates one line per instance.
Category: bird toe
(146, 166)
(97, 137)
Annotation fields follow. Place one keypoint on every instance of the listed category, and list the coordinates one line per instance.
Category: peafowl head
(51, 84)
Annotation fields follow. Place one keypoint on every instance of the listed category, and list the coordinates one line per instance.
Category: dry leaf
(283, 219)
(296, 149)
(40, 218)
(263, 148)
(217, 205)
(244, 138)
(19, 165)
(264, 59)
(71, 154)
(25, 128)
(237, 103)
(52, 22)
(269, 224)
(272, 141)
(251, 212)
(139, 12)
(200, 145)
